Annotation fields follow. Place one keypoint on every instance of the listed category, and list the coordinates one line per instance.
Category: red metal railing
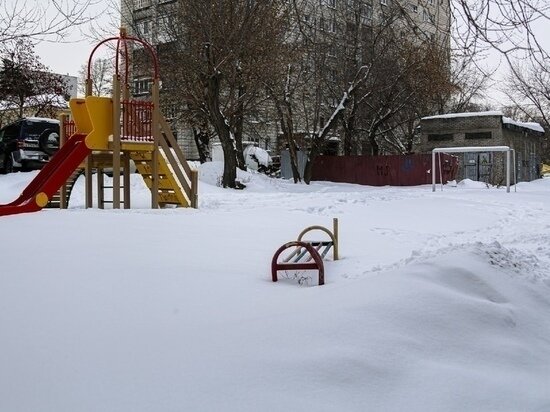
(137, 121)
(69, 127)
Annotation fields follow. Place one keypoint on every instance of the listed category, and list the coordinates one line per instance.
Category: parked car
(28, 143)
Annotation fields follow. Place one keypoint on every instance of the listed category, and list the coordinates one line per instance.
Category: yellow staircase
(170, 190)
(177, 183)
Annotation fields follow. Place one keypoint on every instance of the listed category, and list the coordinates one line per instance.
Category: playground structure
(307, 254)
(106, 133)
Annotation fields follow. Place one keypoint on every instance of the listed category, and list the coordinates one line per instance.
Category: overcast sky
(68, 57)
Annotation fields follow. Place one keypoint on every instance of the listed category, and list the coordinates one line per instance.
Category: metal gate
(478, 166)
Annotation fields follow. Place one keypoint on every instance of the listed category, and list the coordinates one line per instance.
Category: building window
(165, 29)
(366, 14)
(170, 111)
(427, 16)
(478, 135)
(332, 27)
(141, 4)
(144, 29)
(439, 137)
(142, 86)
(414, 7)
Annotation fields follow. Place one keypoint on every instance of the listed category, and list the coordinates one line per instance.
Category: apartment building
(331, 20)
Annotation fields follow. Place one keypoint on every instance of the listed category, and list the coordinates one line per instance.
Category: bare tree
(513, 30)
(528, 87)
(509, 27)
(368, 70)
(101, 75)
(220, 52)
(26, 85)
(40, 20)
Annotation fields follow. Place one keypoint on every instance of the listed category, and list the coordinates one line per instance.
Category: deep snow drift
(440, 302)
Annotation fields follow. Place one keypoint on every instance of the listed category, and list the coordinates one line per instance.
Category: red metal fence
(394, 170)
(137, 119)
(69, 127)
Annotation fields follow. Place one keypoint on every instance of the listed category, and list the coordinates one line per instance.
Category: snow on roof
(506, 120)
(527, 125)
(41, 119)
(468, 114)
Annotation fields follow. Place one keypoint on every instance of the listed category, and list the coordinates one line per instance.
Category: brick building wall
(484, 129)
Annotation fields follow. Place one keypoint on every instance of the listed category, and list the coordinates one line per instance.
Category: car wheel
(8, 164)
(49, 141)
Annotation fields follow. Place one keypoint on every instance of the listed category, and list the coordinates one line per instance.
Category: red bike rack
(304, 257)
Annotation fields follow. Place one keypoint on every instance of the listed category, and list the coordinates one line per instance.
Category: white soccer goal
(509, 152)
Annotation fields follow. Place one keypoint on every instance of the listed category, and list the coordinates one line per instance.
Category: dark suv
(28, 143)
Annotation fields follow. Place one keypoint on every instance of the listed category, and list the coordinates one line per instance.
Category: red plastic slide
(52, 176)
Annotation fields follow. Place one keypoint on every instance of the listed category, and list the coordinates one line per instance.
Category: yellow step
(169, 189)
(168, 197)
(147, 169)
(164, 183)
(141, 156)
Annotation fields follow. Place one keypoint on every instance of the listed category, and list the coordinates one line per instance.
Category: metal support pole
(126, 177)
(88, 183)
(335, 233)
(515, 170)
(62, 140)
(194, 189)
(155, 154)
(88, 87)
(89, 191)
(508, 171)
(100, 189)
(433, 171)
(116, 142)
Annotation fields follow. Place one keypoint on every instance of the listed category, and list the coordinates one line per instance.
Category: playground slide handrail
(169, 136)
(46, 184)
(60, 175)
(176, 168)
(174, 148)
(49, 168)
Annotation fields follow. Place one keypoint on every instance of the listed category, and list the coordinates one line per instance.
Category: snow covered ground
(440, 302)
